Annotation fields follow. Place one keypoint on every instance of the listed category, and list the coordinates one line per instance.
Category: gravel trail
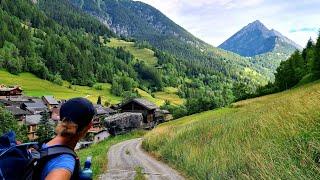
(126, 157)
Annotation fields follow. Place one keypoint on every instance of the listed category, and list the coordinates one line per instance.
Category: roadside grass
(139, 174)
(146, 55)
(271, 137)
(99, 152)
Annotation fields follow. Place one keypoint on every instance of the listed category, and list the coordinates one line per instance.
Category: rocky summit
(255, 39)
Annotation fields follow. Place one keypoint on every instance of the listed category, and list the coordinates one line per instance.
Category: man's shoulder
(63, 161)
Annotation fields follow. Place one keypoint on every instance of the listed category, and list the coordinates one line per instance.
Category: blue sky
(216, 20)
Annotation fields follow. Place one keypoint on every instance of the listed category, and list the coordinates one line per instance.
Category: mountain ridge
(142, 22)
(256, 39)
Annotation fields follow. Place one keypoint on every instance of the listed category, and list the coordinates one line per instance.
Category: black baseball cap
(78, 110)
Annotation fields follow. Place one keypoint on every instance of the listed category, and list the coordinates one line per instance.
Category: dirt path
(126, 157)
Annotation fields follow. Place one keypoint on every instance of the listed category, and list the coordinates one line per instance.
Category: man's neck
(59, 140)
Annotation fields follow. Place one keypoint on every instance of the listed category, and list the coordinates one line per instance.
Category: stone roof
(51, 100)
(39, 105)
(143, 102)
(16, 111)
(33, 119)
(103, 110)
(19, 99)
(15, 100)
(35, 107)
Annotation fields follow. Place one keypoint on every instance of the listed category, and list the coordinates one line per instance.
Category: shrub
(57, 79)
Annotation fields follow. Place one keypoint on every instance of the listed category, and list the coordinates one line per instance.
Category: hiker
(75, 121)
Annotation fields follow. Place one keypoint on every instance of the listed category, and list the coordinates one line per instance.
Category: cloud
(305, 29)
(177, 4)
(214, 21)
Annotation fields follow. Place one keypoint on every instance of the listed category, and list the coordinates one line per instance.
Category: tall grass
(99, 152)
(271, 137)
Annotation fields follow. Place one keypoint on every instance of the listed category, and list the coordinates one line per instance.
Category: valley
(168, 105)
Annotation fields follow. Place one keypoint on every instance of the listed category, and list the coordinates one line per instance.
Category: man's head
(75, 117)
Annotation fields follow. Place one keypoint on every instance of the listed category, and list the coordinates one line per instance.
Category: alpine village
(246, 109)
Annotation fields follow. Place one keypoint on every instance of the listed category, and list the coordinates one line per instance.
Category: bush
(57, 79)
(14, 66)
(122, 84)
(98, 86)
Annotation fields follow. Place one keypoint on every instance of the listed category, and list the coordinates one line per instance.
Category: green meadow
(144, 54)
(170, 94)
(147, 55)
(34, 86)
(271, 137)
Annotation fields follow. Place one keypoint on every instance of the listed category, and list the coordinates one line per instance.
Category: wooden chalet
(10, 91)
(18, 113)
(14, 100)
(32, 122)
(34, 107)
(50, 101)
(139, 105)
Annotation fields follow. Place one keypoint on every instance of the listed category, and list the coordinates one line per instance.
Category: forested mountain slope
(142, 22)
(57, 41)
(31, 41)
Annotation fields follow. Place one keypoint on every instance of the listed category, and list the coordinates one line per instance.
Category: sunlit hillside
(34, 86)
(142, 54)
(271, 137)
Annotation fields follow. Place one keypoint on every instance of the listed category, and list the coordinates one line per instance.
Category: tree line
(302, 67)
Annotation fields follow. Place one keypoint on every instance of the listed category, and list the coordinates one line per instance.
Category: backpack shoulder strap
(51, 152)
(57, 150)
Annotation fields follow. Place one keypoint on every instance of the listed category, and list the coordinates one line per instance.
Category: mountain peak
(255, 39)
(257, 23)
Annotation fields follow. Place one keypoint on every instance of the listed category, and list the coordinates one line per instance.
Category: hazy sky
(214, 21)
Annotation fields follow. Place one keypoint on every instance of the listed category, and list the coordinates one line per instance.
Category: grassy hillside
(33, 86)
(147, 56)
(170, 94)
(143, 54)
(270, 137)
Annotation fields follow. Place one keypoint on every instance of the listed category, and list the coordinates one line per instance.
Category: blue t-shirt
(64, 161)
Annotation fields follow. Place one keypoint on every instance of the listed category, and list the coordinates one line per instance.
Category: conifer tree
(316, 60)
(45, 128)
(99, 100)
(9, 123)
